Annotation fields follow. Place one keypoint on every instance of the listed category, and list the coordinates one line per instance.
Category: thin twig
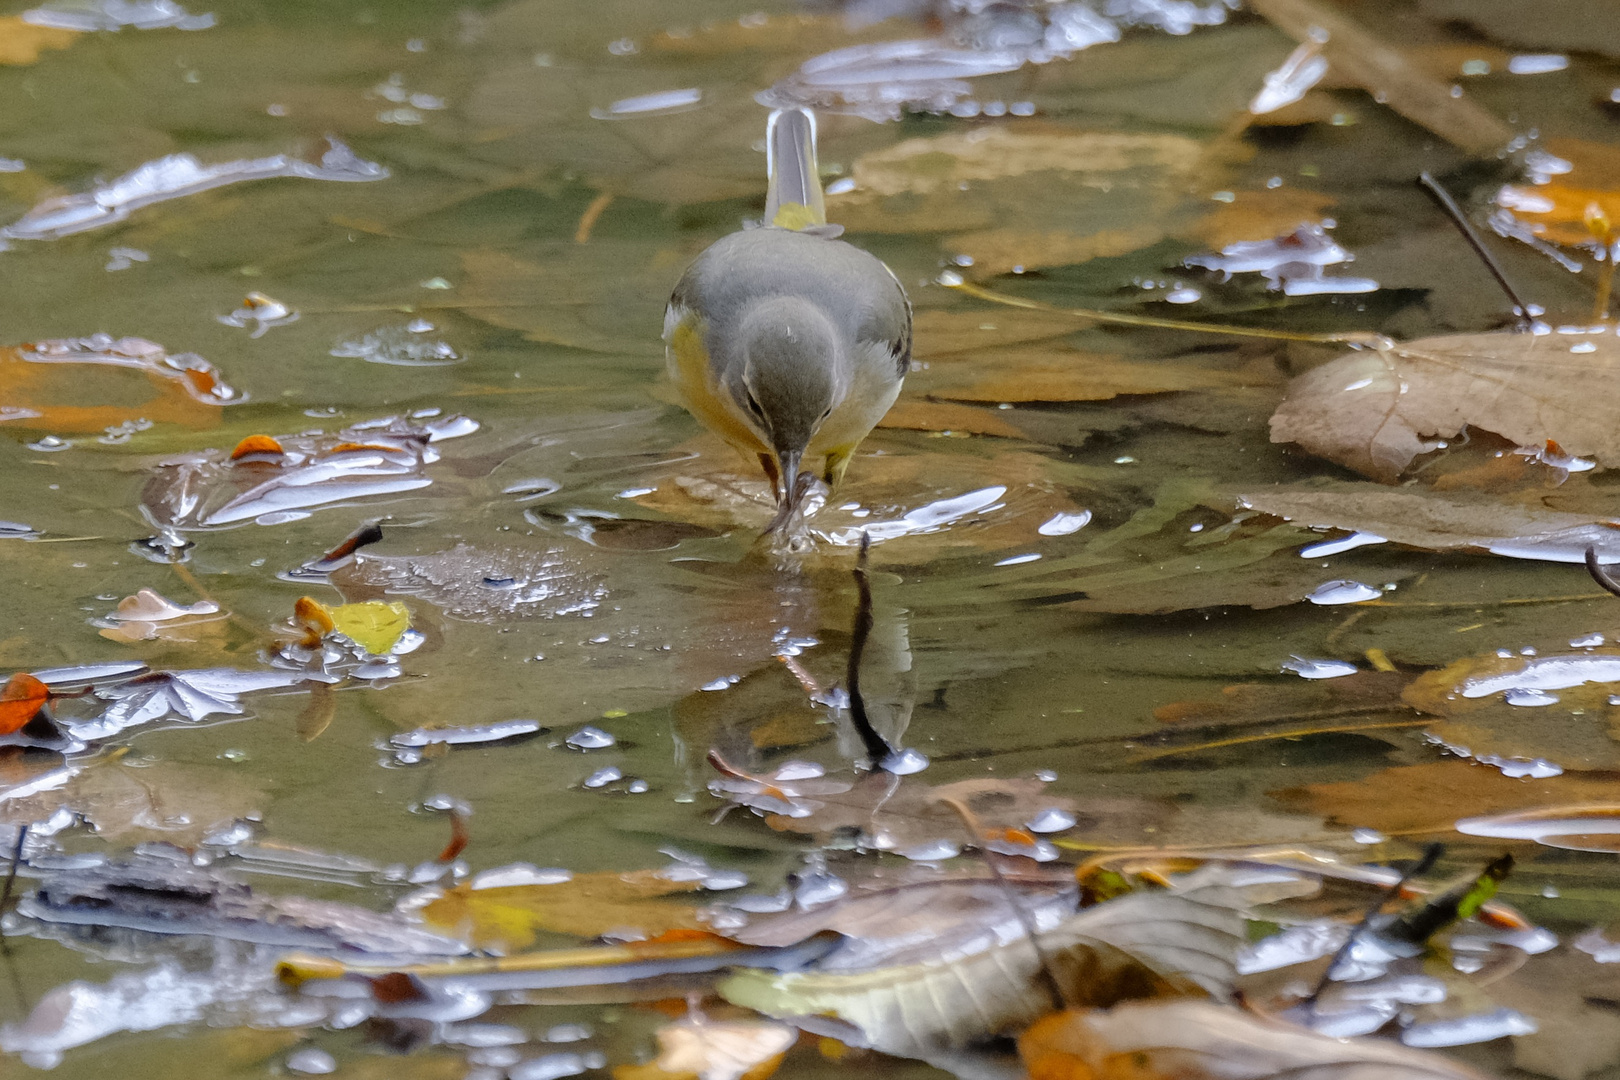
(587, 220)
(1459, 219)
(1430, 855)
(1054, 988)
(1600, 575)
(1364, 338)
(876, 747)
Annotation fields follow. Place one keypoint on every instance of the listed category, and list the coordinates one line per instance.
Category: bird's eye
(826, 412)
(754, 407)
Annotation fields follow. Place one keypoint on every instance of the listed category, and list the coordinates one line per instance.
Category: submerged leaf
(22, 42)
(163, 801)
(1196, 1040)
(715, 1050)
(1376, 410)
(99, 382)
(507, 918)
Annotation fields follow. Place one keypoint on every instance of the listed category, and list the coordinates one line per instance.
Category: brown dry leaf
(1568, 994)
(21, 42)
(22, 697)
(1376, 410)
(1356, 54)
(1578, 208)
(1058, 373)
(1198, 1040)
(163, 801)
(1431, 798)
(1441, 522)
(1260, 215)
(507, 919)
(1520, 713)
(89, 384)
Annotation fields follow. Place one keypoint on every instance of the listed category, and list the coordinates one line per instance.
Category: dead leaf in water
(21, 42)
(1431, 798)
(1448, 522)
(697, 1048)
(1046, 373)
(1376, 410)
(1577, 208)
(1197, 1040)
(1356, 54)
(162, 801)
(77, 385)
(507, 918)
(20, 700)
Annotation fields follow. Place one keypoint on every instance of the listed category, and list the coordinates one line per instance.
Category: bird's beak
(792, 491)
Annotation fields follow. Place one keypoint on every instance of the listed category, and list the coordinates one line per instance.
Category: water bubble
(311, 1061)
(590, 738)
(1587, 641)
(1537, 63)
(1065, 524)
(1051, 820)
(1529, 698)
(604, 776)
(904, 762)
(1318, 669)
(931, 851)
(1368, 836)
(521, 873)
(1342, 592)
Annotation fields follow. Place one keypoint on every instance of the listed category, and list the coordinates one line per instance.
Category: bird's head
(795, 373)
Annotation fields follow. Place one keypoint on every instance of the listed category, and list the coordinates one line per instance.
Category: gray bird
(783, 340)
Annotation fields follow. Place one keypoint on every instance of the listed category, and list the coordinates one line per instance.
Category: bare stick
(1365, 338)
(1459, 219)
(16, 860)
(1430, 855)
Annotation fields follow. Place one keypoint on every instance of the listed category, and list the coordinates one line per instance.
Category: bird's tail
(793, 199)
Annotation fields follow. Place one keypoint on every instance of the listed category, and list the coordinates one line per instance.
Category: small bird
(783, 340)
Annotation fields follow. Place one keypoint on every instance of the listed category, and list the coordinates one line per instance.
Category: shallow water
(1050, 568)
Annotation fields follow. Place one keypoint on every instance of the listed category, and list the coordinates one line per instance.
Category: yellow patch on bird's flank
(691, 374)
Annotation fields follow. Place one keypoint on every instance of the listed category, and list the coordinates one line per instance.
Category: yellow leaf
(375, 625)
(587, 905)
(21, 43)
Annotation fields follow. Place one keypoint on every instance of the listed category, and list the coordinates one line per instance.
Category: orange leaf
(21, 699)
(90, 384)
(256, 444)
(21, 43)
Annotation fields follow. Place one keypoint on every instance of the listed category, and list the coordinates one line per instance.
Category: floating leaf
(1377, 410)
(22, 698)
(1196, 1040)
(161, 801)
(1576, 207)
(1140, 945)
(507, 918)
(1260, 215)
(90, 384)
(374, 624)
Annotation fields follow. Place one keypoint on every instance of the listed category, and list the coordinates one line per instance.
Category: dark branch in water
(1600, 575)
(1459, 219)
(16, 860)
(876, 748)
(1431, 855)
